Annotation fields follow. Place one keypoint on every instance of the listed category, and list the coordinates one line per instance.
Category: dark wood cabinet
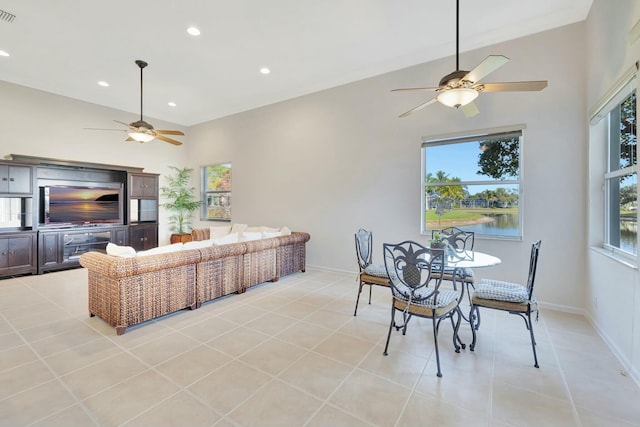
(143, 237)
(16, 179)
(62, 248)
(143, 186)
(17, 253)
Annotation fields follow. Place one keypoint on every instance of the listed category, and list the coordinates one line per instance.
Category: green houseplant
(180, 198)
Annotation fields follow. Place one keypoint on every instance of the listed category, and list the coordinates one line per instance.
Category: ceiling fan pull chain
(457, 35)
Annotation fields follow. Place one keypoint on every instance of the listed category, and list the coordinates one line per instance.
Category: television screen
(93, 205)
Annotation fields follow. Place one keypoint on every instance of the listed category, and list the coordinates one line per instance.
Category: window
(473, 182)
(621, 177)
(216, 191)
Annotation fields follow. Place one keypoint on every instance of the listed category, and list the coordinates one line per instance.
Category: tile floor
(292, 354)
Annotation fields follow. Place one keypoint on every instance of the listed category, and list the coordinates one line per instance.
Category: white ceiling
(67, 46)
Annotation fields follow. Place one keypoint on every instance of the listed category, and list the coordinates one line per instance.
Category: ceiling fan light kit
(457, 97)
(460, 88)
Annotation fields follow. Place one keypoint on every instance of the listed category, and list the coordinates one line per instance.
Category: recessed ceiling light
(193, 31)
(172, 104)
(103, 83)
(265, 70)
(3, 53)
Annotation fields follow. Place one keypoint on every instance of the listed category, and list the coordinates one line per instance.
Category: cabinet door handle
(4, 178)
(12, 179)
(4, 253)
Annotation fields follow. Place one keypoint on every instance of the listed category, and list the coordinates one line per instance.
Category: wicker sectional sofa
(127, 291)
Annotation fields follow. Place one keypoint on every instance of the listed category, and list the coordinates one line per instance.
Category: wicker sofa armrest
(117, 267)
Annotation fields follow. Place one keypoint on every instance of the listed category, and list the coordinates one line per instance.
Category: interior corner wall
(41, 124)
(336, 160)
(612, 294)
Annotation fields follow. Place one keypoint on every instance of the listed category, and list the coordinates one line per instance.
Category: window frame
(611, 113)
(205, 193)
(462, 137)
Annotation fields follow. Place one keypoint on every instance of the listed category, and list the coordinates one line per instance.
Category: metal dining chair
(370, 274)
(415, 273)
(511, 297)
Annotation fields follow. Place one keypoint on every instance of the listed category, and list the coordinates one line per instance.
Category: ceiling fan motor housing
(453, 79)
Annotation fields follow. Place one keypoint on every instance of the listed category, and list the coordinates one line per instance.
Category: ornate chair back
(364, 247)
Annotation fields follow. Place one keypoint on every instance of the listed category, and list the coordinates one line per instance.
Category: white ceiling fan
(460, 88)
(142, 131)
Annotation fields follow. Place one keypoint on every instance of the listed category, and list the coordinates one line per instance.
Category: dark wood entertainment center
(31, 244)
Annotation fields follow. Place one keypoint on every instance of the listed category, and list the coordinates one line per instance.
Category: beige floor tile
(193, 365)
(363, 328)
(316, 374)
(277, 404)
(231, 384)
(95, 378)
(80, 356)
(16, 356)
(344, 348)
(358, 392)
(23, 377)
(129, 398)
(402, 368)
(211, 327)
(329, 416)
(305, 334)
(297, 310)
(273, 356)
(164, 348)
(456, 386)
(69, 338)
(270, 323)
(10, 340)
(427, 411)
(596, 419)
(321, 353)
(523, 408)
(73, 416)
(181, 409)
(39, 402)
(238, 341)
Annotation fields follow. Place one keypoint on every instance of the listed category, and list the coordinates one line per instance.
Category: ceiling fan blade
(486, 67)
(407, 89)
(470, 110)
(512, 86)
(117, 130)
(419, 107)
(122, 123)
(169, 132)
(129, 139)
(169, 140)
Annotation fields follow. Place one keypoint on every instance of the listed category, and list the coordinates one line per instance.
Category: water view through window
(474, 183)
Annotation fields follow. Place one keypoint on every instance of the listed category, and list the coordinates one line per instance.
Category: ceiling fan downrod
(141, 64)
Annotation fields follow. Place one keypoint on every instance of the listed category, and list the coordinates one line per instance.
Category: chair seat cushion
(376, 270)
(445, 302)
(501, 291)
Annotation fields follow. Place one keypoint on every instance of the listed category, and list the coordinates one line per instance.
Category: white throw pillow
(284, 231)
(162, 249)
(219, 231)
(238, 229)
(229, 238)
(269, 234)
(121, 251)
(251, 235)
(198, 244)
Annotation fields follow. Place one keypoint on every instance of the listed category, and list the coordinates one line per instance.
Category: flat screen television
(81, 204)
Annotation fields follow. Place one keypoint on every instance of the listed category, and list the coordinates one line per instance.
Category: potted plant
(438, 240)
(180, 199)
